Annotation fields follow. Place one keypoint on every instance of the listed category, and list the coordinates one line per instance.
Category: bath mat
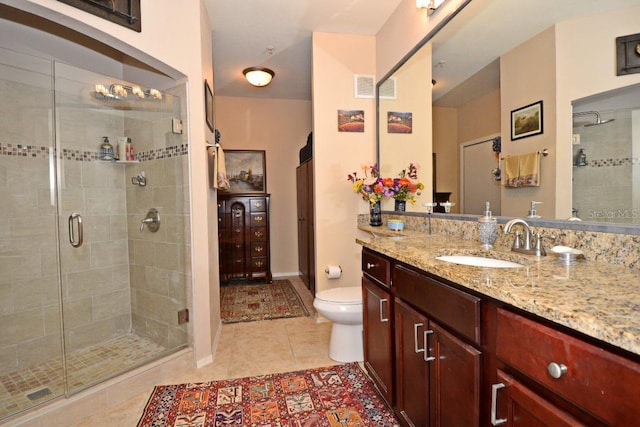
(251, 302)
(340, 396)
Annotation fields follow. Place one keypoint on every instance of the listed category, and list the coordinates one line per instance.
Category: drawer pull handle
(494, 405)
(258, 205)
(382, 318)
(258, 234)
(258, 219)
(371, 265)
(415, 337)
(556, 370)
(426, 346)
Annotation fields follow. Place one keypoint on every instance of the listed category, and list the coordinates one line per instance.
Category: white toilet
(343, 307)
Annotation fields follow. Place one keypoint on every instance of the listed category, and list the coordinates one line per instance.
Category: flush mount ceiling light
(258, 76)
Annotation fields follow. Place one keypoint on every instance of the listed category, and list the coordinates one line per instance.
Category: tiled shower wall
(160, 262)
(606, 189)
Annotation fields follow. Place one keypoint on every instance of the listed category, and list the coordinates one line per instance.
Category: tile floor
(245, 349)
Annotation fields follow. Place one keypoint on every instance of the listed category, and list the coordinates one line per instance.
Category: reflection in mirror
(606, 166)
(497, 56)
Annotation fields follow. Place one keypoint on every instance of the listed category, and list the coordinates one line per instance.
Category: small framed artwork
(246, 171)
(526, 121)
(398, 122)
(350, 120)
(208, 105)
(628, 54)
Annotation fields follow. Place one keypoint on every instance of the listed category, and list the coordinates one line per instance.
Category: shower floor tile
(87, 366)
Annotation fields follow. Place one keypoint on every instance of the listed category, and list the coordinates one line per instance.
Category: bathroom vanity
(545, 344)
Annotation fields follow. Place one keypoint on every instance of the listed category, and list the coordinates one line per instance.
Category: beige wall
(176, 41)
(337, 154)
(445, 145)
(525, 76)
(280, 127)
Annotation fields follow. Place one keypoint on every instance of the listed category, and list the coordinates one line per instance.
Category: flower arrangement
(373, 188)
(370, 187)
(403, 188)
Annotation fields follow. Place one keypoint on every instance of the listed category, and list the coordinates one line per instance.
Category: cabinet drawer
(600, 382)
(258, 205)
(258, 249)
(377, 267)
(258, 264)
(258, 219)
(258, 234)
(459, 310)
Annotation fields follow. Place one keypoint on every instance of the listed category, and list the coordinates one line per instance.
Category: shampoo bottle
(487, 228)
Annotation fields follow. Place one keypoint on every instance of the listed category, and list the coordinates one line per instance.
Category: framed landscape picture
(526, 121)
(246, 170)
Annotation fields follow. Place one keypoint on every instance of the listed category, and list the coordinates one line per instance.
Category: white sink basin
(478, 261)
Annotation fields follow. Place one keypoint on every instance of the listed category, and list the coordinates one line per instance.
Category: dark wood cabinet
(243, 234)
(435, 370)
(377, 306)
(306, 254)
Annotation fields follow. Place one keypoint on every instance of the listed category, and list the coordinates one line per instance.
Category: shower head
(598, 121)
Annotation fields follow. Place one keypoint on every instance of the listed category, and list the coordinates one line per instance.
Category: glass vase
(375, 214)
(400, 205)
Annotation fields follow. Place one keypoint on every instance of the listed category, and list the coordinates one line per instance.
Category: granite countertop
(598, 299)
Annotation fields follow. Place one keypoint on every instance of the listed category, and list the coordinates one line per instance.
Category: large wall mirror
(464, 82)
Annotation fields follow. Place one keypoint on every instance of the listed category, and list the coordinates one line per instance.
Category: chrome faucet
(527, 247)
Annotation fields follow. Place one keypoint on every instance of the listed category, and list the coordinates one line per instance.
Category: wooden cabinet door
(378, 336)
(455, 380)
(524, 408)
(412, 370)
(303, 199)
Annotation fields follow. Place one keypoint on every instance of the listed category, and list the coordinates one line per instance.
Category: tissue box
(395, 224)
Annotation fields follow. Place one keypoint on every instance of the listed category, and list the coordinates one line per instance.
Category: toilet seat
(346, 295)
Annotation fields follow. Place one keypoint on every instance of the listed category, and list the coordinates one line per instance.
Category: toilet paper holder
(333, 271)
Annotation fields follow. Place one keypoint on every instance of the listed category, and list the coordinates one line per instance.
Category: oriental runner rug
(334, 396)
(265, 301)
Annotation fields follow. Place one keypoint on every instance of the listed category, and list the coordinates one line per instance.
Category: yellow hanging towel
(529, 175)
(511, 173)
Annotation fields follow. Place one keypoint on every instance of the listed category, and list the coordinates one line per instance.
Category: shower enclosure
(87, 289)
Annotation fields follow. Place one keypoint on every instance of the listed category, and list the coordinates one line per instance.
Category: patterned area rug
(335, 396)
(247, 303)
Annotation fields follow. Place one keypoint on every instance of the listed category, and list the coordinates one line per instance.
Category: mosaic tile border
(32, 151)
(612, 162)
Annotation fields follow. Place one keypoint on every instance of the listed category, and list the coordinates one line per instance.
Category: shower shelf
(122, 162)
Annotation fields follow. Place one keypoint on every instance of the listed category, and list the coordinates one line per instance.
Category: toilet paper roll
(333, 271)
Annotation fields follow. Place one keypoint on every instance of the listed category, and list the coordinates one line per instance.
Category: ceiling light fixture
(258, 76)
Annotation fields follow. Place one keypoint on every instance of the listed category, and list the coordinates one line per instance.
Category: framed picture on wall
(208, 105)
(526, 121)
(246, 170)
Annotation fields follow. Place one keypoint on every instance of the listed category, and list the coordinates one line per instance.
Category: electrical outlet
(176, 126)
(575, 140)
(183, 316)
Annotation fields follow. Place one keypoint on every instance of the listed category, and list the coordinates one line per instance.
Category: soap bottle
(581, 158)
(130, 155)
(487, 228)
(106, 149)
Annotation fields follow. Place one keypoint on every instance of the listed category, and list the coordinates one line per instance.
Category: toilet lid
(346, 295)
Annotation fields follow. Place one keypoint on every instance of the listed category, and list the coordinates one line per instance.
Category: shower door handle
(77, 219)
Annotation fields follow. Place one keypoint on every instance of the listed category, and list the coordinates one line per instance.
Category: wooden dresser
(243, 234)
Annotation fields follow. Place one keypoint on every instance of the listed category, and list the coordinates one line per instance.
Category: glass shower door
(31, 362)
(122, 284)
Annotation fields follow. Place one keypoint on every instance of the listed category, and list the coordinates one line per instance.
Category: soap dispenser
(533, 213)
(487, 228)
(106, 149)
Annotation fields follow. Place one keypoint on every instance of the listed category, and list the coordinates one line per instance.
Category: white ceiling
(243, 30)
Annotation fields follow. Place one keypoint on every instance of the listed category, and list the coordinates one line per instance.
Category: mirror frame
(616, 228)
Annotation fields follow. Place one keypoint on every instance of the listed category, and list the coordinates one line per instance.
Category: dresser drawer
(258, 205)
(376, 267)
(258, 264)
(600, 382)
(458, 310)
(258, 234)
(258, 219)
(258, 249)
